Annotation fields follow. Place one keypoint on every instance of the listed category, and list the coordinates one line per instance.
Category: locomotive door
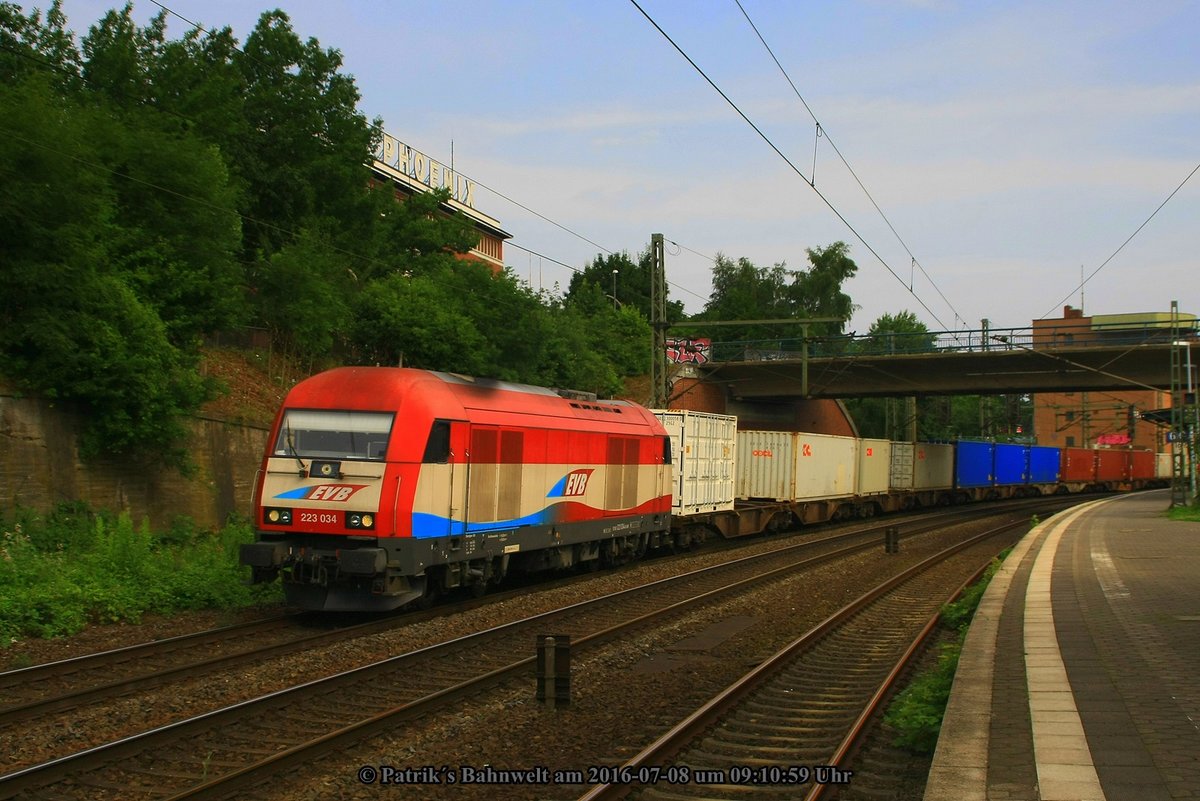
(494, 475)
(442, 493)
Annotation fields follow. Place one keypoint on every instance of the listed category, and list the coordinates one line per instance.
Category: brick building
(1098, 418)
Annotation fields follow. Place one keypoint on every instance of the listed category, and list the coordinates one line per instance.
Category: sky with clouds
(1013, 146)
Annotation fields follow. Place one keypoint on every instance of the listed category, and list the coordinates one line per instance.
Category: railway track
(38, 691)
(223, 751)
(786, 728)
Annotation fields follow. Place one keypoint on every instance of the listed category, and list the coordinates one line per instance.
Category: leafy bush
(917, 711)
(74, 567)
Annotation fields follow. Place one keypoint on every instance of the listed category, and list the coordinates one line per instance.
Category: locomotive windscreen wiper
(292, 447)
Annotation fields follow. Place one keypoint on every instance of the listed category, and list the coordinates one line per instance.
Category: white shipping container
(704, 452)
(902, 465)
(933, 466)
(826, 466)
(874, 466)
(765, 465)
(1162, 465)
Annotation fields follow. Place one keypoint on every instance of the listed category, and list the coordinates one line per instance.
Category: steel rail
(75, 764)
(662, 750)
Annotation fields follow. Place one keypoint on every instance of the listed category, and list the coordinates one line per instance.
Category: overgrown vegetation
(158, 192)
(1187, 513)
(61, 571)
(916, 713)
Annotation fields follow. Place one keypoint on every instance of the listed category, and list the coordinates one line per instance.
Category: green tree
(305, 148)
(72, 325)
(632, 283)
(890, 333)
(30, 45)
(743, 291)
(817, 291)
(898, 333)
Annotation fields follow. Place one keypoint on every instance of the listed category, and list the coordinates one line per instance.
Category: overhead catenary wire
(823, 132)
(477, 182)
(1092, 275)
(786, 160)
(198, 26)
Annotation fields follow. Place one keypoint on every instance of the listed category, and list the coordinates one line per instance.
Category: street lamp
(614, 295)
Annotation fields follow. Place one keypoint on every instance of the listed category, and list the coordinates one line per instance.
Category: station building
(410, 171)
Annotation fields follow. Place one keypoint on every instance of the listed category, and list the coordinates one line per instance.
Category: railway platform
(1080, 676)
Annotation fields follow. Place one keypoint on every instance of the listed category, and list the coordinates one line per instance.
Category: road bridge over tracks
(1059, 356)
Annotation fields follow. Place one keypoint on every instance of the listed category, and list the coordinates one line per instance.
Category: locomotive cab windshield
(305, 434)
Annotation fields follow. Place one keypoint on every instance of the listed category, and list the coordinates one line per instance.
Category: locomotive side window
(666, 450)
(334, 435)
(437, 449)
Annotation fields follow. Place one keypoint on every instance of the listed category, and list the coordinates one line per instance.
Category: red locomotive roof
(418, 394)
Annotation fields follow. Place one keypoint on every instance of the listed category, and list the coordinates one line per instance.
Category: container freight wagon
(973, 465)
(766, 466)
(921, 473)
(1162, 466)
(1044, 466)
(791, 466)
(814, 474)
(874, 466)
(1010, 464)
(1142, 468)
(704, 447)
(826, 466)
(1112, 467)
(933, 467)
(1078, 468)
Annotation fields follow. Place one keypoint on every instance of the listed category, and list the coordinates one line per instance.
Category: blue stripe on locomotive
(1010, 465)
(1044, 464)
(973, 464)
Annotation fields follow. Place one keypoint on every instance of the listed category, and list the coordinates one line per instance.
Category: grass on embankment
(63, 570)
(916, 712)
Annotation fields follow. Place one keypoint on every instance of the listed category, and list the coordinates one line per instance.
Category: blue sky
(1013, 145)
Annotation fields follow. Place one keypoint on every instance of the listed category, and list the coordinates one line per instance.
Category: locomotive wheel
(433, 590)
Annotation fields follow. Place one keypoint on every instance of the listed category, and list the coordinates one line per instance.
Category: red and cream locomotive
(383, 486)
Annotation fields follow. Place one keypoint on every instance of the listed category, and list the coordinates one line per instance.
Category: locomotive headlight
(360, 520)
(278, 517)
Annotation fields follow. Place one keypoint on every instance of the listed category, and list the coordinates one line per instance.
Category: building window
(1069, 416)
(1070, 442)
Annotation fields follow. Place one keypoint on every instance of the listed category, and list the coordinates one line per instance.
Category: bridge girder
(993, 372)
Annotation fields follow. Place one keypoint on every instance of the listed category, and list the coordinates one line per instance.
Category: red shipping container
(1078, 464)
(1112, 465)
(1142, 465)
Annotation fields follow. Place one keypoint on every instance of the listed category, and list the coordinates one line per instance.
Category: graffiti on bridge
(685, 350)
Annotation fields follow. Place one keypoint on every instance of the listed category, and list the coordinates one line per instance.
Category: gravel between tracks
(36, 741)
(616, 689)
(623, 696)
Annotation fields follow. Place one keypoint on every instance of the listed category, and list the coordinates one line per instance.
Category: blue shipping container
(973, 464)
(1011, 465)
(1044, 464)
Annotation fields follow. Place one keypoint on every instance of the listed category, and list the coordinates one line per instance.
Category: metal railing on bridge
(1066, 334)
